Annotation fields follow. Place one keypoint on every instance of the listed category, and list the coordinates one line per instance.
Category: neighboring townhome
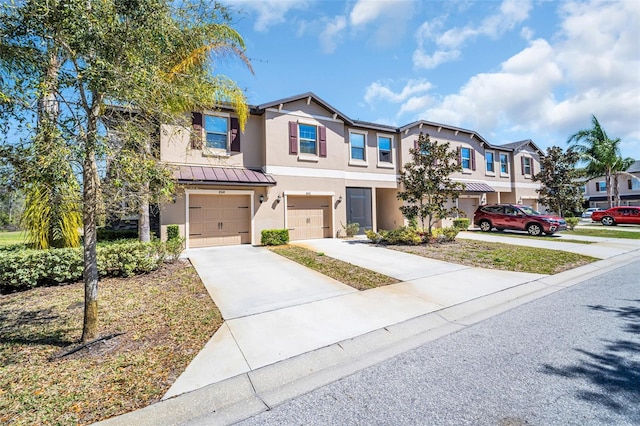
(303, 165)
(628, 185)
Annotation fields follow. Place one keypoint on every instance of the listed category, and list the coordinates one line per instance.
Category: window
(357, 146)
(465, 156)
(489, 159)
(601, 186)
(526, 165)
(384, 149)
(216, 129)
(634, 184)
(504, 164)
(308, 139)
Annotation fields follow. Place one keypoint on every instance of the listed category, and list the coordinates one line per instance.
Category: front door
(359, 208)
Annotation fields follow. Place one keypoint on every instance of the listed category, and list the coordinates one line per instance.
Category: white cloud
(270, 12)
(366, 11)
(551, 88)
(331, 33)
(448, 44)
(378, 91)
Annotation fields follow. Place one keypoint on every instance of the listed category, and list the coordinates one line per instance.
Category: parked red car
(616, 215)
(517, 217)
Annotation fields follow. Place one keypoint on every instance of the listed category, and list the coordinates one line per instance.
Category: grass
(554, 239)
(166, 317)
(8, 238)
(500, 256)
(355, 276)
(605, 233)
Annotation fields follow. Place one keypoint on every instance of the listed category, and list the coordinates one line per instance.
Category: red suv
(521, 218)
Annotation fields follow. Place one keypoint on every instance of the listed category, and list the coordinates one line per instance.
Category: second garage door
(219, 220)
(468, 206)
(308, 217)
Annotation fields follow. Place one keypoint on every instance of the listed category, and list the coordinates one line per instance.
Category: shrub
(173, 232)
(174, 248)
(444, 235)
(274, 237)
(30, 268)
(571, 222)
(116, 234)
(373, 236)
(351, 229)
(462, 223)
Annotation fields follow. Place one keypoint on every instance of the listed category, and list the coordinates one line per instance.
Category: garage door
(468, 206)
(219, 220)
(309, 217)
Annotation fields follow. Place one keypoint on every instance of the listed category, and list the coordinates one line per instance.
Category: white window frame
(385, 164)
(463, 158)
(506, 157)
(527, 164)
(493, 163)
(316, 141)
(211, 149)
(357, 161)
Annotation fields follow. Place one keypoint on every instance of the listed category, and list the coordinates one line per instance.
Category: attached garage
(309, 217)
(219, 220)
(468, 206)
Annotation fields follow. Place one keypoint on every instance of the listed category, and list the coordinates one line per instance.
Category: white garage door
(219, 220)
(468, 206)
(308, 217)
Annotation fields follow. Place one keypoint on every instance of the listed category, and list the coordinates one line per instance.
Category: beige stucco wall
(175, 147)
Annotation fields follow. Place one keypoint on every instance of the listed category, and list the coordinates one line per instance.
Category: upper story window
(358, 144)
(504, 164)
(217, 131)
(384, 149)
(526, 165)
(465, 155)
(489, 158)
(308, 139)
(601, 186)
(633, 184)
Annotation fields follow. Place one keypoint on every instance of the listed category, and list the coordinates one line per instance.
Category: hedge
(274, 237)
(30, 268)
(462, 223)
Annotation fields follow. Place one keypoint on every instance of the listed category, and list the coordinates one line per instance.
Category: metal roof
(222, 175)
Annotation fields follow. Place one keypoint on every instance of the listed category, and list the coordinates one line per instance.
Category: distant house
(303, 165)
(595, 191)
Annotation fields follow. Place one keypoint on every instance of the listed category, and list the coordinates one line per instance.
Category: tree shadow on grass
(41, 327)
(615, 371)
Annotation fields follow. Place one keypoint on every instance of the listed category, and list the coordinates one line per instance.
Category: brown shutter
(532, 172)
(293, 137)
(235, 135)
(522, 163)
(323, 140)
(197, 122)
(629, 184)
(597, 186)
(459, 150)
(473, 159)
(415, 144)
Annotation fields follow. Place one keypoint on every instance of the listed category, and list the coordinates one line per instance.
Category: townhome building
(303, 165)
(595, 190)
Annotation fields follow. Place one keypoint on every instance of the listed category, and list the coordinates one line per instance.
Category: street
(569, 358)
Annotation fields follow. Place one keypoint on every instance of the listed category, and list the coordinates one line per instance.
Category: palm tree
(601, 155)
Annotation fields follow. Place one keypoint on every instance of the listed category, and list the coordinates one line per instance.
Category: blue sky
(509, 70)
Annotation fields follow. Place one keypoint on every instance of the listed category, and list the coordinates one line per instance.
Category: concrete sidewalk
(311, 330)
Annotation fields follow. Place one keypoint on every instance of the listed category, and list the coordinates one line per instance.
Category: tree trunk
(89, 216)
(608, 183)
(144, 229)
(616, 190)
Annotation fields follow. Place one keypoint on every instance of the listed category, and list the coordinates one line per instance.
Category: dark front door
(359, 208)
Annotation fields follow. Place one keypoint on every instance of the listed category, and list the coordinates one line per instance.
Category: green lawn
(545, 237)
(605, 233)
(8, 238)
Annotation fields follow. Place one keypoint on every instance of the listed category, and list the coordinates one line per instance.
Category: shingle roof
(634, 168)
(222, 175)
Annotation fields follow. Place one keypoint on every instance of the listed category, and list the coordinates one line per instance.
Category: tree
(427, 186)
(601, 155)
(561, 186)
(112, 52)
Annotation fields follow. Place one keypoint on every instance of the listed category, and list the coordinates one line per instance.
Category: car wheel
(485, 226)
(608, 221)
(534, 229)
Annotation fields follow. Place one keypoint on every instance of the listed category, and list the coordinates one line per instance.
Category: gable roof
(444, 126)
(634, 168)
(516, 146)
(309, 96)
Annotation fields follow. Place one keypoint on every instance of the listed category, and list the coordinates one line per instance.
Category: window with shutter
(293, 137)
(217, 131)
(196, 130)
(322, 130)
(235, 135)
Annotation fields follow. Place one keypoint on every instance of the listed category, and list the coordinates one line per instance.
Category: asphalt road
(571, 358)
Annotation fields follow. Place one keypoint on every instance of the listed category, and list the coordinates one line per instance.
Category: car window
(492, 209)
(528, 210)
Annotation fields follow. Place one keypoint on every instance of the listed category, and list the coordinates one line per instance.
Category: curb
(251, 393)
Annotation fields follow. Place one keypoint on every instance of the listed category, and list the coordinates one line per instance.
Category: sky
(509, 70)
